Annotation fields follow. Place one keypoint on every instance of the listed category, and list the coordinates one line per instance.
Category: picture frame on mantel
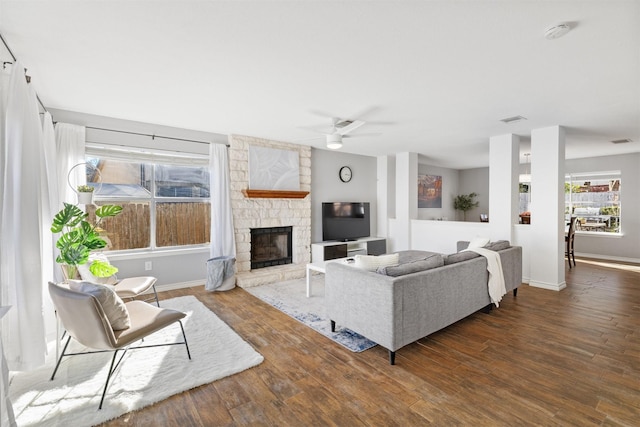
(273, 169)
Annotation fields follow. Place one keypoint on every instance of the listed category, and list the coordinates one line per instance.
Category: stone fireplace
(270, 246)
(265, 211)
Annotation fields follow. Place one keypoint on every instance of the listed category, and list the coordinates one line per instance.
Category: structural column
(503, 185)
(547, 208)
(406, 197)
(382, 187)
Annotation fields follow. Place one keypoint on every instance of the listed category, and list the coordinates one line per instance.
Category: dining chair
(569, 240)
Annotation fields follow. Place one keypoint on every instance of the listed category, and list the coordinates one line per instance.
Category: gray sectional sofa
(426, 292)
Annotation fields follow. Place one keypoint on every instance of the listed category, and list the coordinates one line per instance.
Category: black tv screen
(345, 220)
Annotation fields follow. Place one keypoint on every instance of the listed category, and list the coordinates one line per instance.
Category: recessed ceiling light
(513, 119)
(557, 31)
(621, 141)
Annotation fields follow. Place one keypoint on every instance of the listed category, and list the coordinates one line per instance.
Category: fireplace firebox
(271, 246)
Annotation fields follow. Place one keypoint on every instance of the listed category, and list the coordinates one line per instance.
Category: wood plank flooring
(568, 358)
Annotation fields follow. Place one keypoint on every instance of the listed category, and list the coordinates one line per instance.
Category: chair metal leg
(106, 384)
(156, 295)
(60, 358)
(185, 339)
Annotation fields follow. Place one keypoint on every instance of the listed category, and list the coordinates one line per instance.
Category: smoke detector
(557, 31)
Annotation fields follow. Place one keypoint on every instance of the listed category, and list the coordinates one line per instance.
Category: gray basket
(221, 275)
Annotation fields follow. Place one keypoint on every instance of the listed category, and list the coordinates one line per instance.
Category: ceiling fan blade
(351, 127)
(362, 134)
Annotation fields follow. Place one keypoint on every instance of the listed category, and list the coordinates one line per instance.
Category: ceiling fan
(340, 128)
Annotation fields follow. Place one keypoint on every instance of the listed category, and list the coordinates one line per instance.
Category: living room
(429, 82)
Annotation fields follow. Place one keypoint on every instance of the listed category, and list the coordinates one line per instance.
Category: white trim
(180, 285)
(550, 286)
(128, 255)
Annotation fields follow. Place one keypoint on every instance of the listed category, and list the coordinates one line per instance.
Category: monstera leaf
(102, 269)
(79, 237)
(70, 216)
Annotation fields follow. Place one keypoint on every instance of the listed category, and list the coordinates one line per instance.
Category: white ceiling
(431, 77)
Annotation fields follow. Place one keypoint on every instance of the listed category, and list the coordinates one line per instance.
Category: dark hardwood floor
(569, 358)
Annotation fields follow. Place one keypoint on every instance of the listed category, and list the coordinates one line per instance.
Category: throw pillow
(433, 261)
(372, 262)
(112, 305)
(478, 242)
(498, 245)
(459, 257)
(87, 276)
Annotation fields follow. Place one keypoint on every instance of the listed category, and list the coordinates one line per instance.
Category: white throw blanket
(496, 284)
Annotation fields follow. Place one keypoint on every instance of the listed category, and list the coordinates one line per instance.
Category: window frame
(571, 179)
(153, 159)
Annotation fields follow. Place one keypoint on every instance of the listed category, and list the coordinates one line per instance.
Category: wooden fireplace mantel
(274, 194)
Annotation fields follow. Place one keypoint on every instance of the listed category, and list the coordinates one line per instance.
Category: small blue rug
(290, 298)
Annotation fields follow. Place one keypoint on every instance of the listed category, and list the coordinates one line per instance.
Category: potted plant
(85, 194)
(79, 238)
(464, 203)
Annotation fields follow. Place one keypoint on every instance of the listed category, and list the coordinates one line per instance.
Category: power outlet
(148, 265)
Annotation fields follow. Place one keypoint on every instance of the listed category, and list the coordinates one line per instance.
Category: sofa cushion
(432, 261)
(459, 257)
(413, 255)
(372, 262)
(498, 245)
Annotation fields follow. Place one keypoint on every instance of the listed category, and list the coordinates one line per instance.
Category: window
(165, 205)
(595, 199)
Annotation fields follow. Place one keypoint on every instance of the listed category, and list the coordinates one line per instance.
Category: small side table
(320, 267)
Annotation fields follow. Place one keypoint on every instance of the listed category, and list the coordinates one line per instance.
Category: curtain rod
(154, 136)
(4, 42)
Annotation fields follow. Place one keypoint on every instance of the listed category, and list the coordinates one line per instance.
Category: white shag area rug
(290, 297)
(144, 377)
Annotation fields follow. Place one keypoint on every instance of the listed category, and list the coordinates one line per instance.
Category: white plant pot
(85, 198)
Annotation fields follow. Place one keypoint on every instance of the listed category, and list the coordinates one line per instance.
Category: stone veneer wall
(251, 213)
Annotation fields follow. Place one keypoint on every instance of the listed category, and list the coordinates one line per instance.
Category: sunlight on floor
(610, 264)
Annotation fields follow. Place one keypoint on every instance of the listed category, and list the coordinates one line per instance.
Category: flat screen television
(345, 221)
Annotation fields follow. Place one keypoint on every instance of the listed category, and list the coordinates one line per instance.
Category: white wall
(475, 181)
(327, 187)
(442, 236)
(626, 247)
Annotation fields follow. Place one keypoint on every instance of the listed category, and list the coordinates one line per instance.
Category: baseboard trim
(180, 285)
(550, 286)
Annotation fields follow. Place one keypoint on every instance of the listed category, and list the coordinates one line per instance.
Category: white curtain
(50, 269)
(70, 145)
(21, 223)
(223, 242)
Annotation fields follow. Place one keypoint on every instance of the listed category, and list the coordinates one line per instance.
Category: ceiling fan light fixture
(334, 141)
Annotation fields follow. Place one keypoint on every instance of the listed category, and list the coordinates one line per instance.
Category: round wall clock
(345, 174)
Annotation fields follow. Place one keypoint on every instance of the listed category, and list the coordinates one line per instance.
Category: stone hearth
(249, 212)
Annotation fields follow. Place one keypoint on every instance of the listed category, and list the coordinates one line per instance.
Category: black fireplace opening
(271, 246)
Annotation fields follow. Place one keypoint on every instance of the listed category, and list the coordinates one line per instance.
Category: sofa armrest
(367, 303)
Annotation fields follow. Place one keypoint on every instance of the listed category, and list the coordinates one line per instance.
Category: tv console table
(324, 251)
